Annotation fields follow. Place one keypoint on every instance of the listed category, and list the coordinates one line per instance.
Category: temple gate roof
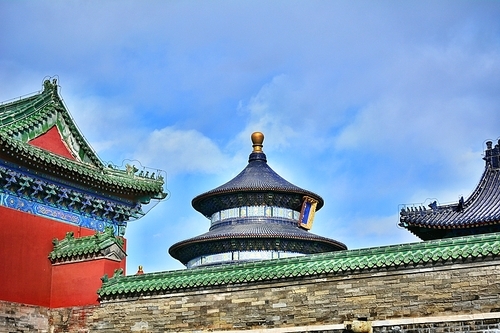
(47, 168)
(24, 121)
(479, 213)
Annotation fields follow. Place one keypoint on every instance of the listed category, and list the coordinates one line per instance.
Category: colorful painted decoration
(307, 213)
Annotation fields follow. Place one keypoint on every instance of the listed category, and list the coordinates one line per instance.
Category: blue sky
(369, 104)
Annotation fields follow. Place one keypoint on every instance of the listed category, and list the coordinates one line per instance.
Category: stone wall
(490, 325)
(403, 300)
(15, 317)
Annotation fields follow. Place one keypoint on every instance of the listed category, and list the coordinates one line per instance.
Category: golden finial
(257, 139)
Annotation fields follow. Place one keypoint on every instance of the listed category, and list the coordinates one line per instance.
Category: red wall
(25, 270)
(76, 284)
(52, 141)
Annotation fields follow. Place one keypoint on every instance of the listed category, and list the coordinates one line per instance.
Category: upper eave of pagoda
(480, 209)
(257, 177)
(24, 120)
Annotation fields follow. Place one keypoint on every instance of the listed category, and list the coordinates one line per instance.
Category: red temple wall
(52, 141)
(26, 271)
(72, 285)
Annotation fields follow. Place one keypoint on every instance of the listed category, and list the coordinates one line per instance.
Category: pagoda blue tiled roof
(256, 211)
(479, 213)
(249, 185)
(68, 182)
(339, 263)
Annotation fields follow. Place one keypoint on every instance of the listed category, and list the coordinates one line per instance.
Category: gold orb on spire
(257, 139)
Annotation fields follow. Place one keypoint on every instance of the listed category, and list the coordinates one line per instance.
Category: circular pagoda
(256, 215)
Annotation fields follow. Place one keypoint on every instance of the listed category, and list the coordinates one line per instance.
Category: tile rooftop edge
(105, 175)
(94, 168)
(464, 214)
(70, 247)
(34, 109)
(381, 258)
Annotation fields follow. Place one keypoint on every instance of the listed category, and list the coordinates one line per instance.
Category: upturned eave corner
(475, 214)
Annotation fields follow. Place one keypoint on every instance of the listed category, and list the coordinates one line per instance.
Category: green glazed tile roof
(71, 248)
(341, 262)
(26, 118)
(112, 180)
(29, 117)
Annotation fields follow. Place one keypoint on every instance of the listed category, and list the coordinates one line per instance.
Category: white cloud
(360, 231)
(182, 151)
(369, 104)
(289, 112)
(111, 128)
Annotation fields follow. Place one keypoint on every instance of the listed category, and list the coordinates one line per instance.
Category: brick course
(15, 317)
(312, 304)
(466, 288)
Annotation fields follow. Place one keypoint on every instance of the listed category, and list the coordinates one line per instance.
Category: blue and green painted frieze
(41, 197)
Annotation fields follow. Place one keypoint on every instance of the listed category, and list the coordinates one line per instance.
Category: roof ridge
(28, 118)
(101, 173)
(15, 99)
(71, 246)
(339, 262)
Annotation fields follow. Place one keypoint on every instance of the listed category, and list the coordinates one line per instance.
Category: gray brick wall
(16, 317)
(378, 295)
(320, 304)
(476, 326)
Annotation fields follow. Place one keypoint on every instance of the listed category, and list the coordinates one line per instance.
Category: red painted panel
(53, 142)
(25, 243)
(76, 284)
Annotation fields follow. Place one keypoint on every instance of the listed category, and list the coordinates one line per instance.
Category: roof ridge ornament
(492, 154)
(257, 140)
(257, 152)
(47, 85)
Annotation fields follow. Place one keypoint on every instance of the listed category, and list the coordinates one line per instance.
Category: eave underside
(248, 197)
(115, 182)
(436, 233)
(190, 249)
